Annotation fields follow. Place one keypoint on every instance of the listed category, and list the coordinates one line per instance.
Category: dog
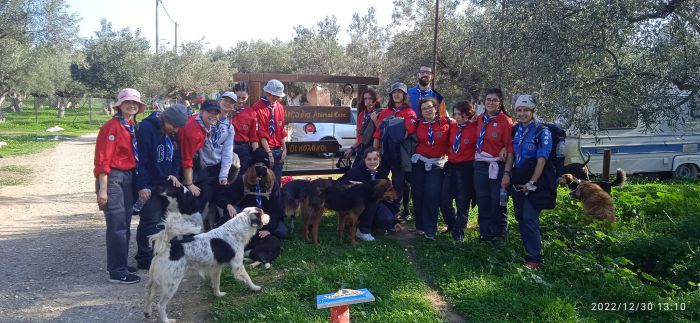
(351, 201)
(596, 202)
(263, 250)
(179, 200)
(572, 182)
(305, 198)
(205, 252)
(578, 170)
(256, 185)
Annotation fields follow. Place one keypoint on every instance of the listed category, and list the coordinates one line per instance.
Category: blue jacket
(157, 158)
(531, 141)
(415, 94)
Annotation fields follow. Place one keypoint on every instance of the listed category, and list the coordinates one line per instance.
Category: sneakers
(126, 279)
(532, 265)
(419, 232)
(364, 236)
(132, 270)
(430, 237)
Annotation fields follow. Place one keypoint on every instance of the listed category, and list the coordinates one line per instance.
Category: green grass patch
(11, 175)
(651, 255)
(304, 271)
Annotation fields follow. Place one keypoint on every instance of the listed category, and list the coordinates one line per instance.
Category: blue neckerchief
(431, 136)
(272, 115)
(365, 117)
(132, 132)
(169, 148)
(372, 175)
(523, 134)
(258, 198)
(424, 94)
(487, 120)
(458, 138)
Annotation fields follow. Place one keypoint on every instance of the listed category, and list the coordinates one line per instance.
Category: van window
(617, 117)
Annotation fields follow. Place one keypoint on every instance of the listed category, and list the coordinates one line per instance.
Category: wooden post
(340, 301)
(606, 165)
(340, 314)
(254, 92)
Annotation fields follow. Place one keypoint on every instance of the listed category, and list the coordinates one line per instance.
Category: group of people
(435, 160)
(134, 161)
(450, 164)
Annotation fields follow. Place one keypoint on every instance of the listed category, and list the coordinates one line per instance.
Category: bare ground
(52, 248)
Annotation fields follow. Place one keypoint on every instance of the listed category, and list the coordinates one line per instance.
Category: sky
(220, 22)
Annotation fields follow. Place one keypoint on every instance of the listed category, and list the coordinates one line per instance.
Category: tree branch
(661, 12)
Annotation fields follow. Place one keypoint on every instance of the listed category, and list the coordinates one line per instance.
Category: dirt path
(52, 248)
(406, 239)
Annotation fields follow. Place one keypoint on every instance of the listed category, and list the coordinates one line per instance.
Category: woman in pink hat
(116, 158)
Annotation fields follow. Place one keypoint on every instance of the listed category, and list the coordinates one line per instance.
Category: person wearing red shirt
(458, 184)
(398, 107)
(271, 130)
(191, 139)
(116, 157)
(367, 113)
(433, 133)
(492, 167)
(245, 121)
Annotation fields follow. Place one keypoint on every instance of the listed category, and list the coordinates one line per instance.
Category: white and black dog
(205, 252)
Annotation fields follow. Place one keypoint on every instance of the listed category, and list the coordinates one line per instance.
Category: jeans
(457, 186)
(150, 217)
(379, 216)
(493, 218)
(118, 211)
(427, 187)
(245, 155)
(528, 217)
(279, 164)
(398, 179)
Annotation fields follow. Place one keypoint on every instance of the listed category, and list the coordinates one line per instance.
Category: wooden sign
(312, 147)
(294, 114)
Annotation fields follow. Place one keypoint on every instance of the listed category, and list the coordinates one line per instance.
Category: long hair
(499, 93)
(406, 103)
(361, 106)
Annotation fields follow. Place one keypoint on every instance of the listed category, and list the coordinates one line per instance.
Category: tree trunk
(2, 112)
(61, 108)
(38, 102)
(17, 103)
(107, 106)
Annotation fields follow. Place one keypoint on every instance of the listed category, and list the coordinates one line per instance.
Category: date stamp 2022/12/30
(637, 306)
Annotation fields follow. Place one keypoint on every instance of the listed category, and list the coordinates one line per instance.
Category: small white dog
(205, 252)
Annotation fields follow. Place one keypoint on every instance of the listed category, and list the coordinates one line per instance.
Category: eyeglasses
(427, 107)
(490, 100)
(425, 72)
(242, 99)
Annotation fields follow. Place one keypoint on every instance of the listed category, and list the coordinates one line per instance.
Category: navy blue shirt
(362, 174)
(159, 155)
(415, 94)
(524, 144)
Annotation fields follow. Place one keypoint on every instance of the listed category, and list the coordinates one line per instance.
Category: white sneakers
(364, 236)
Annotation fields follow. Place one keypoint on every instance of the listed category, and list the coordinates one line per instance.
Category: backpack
(392, 131)
(546, 195)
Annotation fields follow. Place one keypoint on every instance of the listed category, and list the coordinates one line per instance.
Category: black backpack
(546, 195)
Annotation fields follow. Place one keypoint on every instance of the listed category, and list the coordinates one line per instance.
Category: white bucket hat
(275, 88)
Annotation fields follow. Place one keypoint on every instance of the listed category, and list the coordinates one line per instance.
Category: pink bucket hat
(129, 94)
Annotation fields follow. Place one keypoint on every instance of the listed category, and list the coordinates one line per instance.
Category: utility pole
(435, 42)
(175, 48)
(157, 27)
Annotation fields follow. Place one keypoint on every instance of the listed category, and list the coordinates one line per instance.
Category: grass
(650, 256)
(11, 175)
(25, 132)
(304, 271)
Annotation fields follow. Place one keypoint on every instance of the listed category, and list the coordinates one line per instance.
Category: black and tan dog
(351, 201)
(305, 198)
(571, 182)
(578, 170)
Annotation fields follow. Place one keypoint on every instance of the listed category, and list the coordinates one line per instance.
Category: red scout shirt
(441, 135)
(191, 138)
(467, 147)
(246, 125)
(499, 134)
(113, 148)
(263, 113)
(407, 113)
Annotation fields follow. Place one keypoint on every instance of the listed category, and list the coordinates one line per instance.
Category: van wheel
(686, 171)
(328, 155)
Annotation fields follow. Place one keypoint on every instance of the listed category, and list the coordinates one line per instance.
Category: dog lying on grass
(351, 201)
(205, 252)
(572, 182)
(263, 250)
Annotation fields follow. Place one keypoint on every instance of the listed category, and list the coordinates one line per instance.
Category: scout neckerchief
(458, 138)
(258, 198)
(272, 115)
(365, 117)
(487, 120)
(424, 94)
(132, 132)
(211, 131)
(431, 136)
(518, 154)
(372, 174)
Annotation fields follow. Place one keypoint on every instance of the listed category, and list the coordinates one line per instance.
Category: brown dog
(571, 182)
(596, 202)
(351, 201)
(312, 208)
